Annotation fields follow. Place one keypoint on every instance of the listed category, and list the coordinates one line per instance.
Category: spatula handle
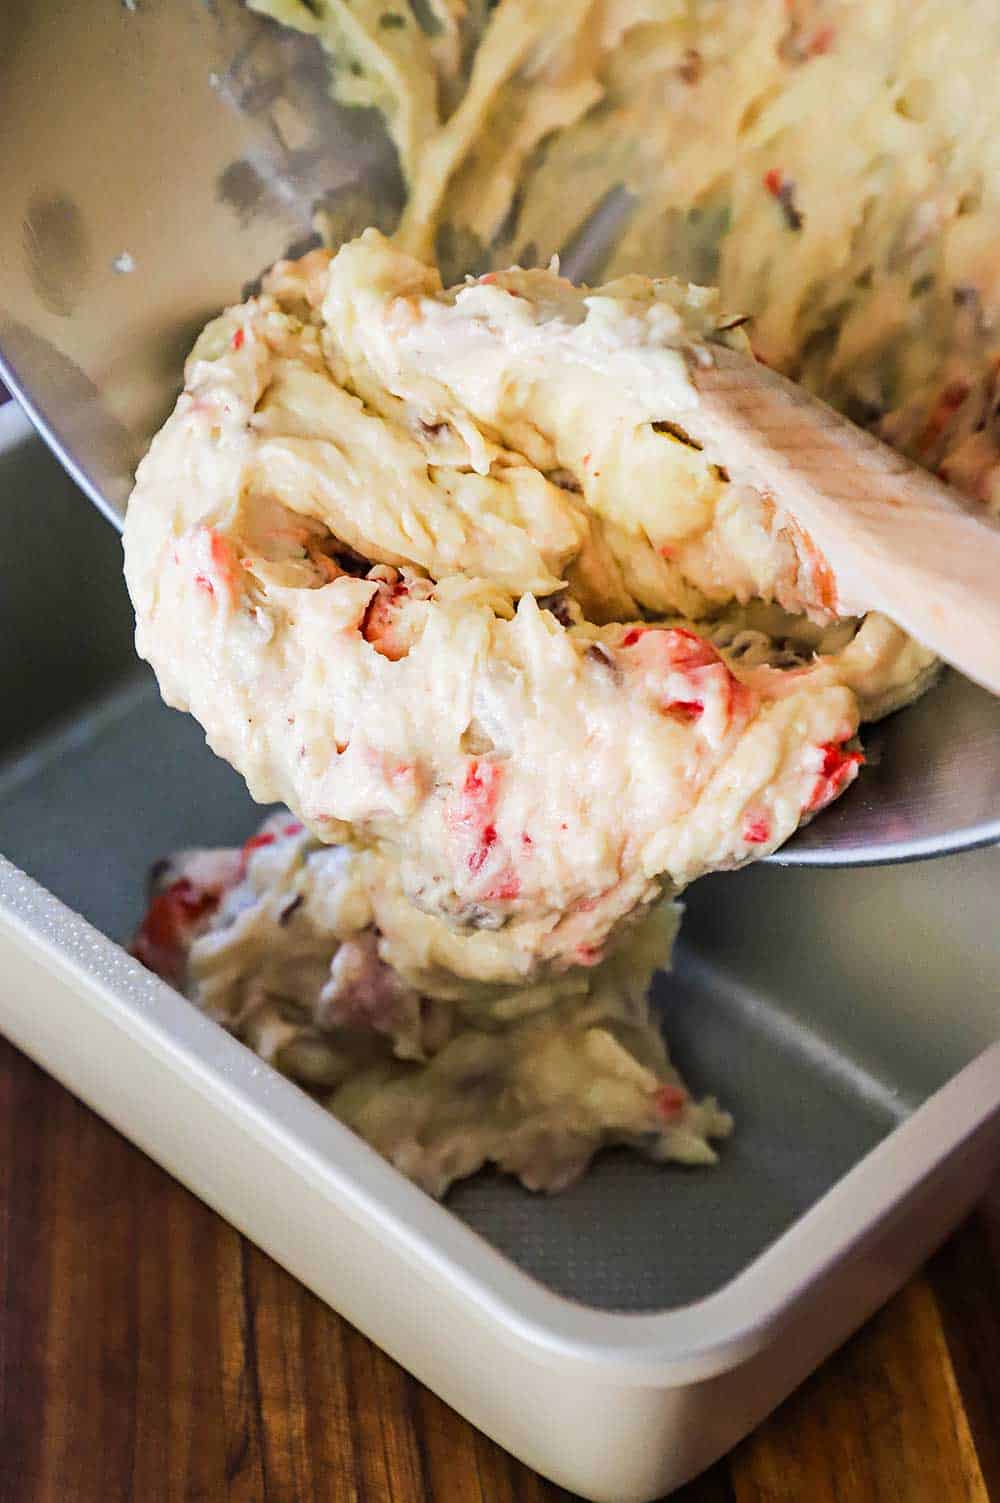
(898, 540)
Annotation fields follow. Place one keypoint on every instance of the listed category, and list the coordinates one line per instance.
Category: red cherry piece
(684, 709)
(486, 843)
(756, 829)
(670, 1101)
(160, 943)
(505, 890)
(837, 769)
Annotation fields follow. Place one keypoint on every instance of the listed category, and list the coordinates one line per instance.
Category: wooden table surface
(149, 1352)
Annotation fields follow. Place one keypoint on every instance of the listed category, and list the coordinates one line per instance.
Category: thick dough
(304, 952)
(397, 610)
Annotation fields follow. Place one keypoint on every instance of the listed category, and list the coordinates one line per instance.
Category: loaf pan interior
(820, 1007)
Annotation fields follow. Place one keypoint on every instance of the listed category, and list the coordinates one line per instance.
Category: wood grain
(148, 1352)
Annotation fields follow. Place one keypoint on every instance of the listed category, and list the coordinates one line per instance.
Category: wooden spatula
(899, 540)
